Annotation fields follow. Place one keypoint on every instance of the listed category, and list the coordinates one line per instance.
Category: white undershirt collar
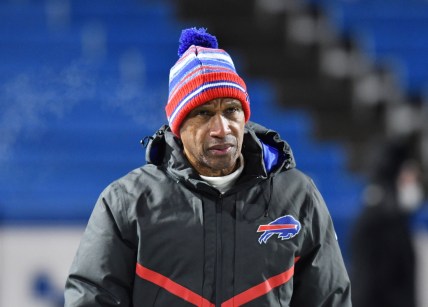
(224, 183)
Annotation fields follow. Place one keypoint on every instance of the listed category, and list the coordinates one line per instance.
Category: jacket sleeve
(320, 276)
(103, 269)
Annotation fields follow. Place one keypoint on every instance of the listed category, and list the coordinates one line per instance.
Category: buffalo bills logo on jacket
(286, 227)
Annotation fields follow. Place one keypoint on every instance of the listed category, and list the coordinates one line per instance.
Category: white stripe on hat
(186, 79)
(209, 54)
(179, 66)
(216, 55)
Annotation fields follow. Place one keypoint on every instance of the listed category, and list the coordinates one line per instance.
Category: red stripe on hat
(172, 287)
(260, 289)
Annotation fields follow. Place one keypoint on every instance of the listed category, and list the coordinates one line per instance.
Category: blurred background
(344, 82)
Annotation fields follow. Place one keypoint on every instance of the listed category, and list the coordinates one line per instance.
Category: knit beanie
(202, 73)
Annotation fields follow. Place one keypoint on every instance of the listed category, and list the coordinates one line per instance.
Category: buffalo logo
(286, 227)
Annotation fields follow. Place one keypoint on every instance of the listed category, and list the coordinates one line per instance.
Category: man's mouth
(220, 149)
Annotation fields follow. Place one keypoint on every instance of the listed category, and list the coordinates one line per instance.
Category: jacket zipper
(218, 296)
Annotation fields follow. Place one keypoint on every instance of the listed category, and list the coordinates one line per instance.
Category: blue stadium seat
(385, 30)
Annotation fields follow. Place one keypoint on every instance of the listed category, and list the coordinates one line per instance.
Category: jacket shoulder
(302, 187)
(294, 177)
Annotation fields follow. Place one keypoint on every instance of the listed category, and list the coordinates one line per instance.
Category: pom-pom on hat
(202, 73)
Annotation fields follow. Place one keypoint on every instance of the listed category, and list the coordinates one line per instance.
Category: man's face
(212, 136)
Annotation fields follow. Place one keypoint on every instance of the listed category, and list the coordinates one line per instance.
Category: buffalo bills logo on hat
(286, 227)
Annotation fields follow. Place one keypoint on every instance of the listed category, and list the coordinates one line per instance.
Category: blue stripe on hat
(187, 69)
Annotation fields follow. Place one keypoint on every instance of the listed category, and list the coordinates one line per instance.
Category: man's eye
(232, 110)
(203, 113)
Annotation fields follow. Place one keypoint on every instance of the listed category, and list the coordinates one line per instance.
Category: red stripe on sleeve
(172, 287)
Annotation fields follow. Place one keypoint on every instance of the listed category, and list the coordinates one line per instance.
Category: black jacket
(160, 236)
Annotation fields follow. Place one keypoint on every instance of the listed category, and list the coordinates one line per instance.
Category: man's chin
(222, 169)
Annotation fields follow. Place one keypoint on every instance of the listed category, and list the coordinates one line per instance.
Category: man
(219, 215)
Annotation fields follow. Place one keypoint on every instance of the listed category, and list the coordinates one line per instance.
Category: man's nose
(219, 126)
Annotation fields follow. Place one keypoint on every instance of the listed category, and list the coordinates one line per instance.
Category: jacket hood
(277, 153)
(262, 147)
